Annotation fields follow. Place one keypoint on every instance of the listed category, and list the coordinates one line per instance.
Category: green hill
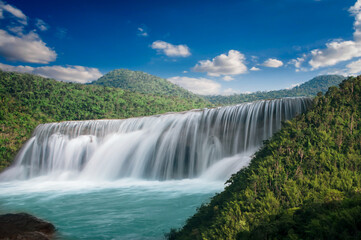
(142, 82)
(28, 100)
(307, 89)
(305, 183)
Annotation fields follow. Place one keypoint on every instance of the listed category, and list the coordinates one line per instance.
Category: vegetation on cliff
(27, 100)
(307, 89)
(304, 183)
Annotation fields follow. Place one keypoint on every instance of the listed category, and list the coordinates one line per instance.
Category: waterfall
(161, 147)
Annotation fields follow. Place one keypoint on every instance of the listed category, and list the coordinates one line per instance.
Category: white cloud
(171, 50)
(18, 30)
(334, 53)
(293, 85)
(228, 78)
(255, 69)
(231, 64)
(202, 86)
(41, 25)
(13, 11)
(254, 58)
(142, 32)
(333, 71)
(298, 63)
(273, 63)
(27, 48)
(70, 73)
(339, 50)
(354, 67)
(17, 46)
(10, 68)
(78, 74)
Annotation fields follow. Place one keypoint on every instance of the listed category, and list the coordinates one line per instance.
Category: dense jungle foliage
(142, 82)
(304, 183)
(28, 100)
(307, 89)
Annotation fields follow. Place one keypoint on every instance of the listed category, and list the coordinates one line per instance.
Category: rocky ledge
(23, 226)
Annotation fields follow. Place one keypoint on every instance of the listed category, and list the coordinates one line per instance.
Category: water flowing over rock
(162, 147)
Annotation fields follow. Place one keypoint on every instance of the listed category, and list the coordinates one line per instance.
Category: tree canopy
(304, 183)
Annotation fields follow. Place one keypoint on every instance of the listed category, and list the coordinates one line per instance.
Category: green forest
(28, 100)
(142, 82)
(304, 183)
(307, 89)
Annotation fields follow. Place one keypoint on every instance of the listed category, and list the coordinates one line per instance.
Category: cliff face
(303, 179)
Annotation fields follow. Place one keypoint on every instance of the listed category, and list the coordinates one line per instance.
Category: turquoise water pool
(125, 209)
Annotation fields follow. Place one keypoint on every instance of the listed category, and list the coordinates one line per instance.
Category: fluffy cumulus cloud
(298, 63)
(16, 45)
(26, 48)
(338, 50)
(255, 69)
(201, 86)
(41, 25)
(272, 63)
(13, 11)
(171, 50)
(231, 64)
(334, 53)
(228, 78)
(78, 74)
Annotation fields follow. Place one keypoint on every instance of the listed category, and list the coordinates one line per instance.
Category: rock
(23, 226)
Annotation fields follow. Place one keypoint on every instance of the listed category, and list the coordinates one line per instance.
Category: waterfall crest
(162, 147)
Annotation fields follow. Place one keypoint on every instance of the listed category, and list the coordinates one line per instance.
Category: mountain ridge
(309, 88)
(142, 82)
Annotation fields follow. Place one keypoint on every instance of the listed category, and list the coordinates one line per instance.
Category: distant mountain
(307, 89)
(142, 82)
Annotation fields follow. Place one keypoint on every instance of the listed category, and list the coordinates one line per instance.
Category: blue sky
(208, 47)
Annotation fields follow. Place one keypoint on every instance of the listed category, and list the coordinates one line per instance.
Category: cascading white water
(162, 147)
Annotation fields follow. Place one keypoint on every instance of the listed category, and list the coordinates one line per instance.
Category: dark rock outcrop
(23, 226)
